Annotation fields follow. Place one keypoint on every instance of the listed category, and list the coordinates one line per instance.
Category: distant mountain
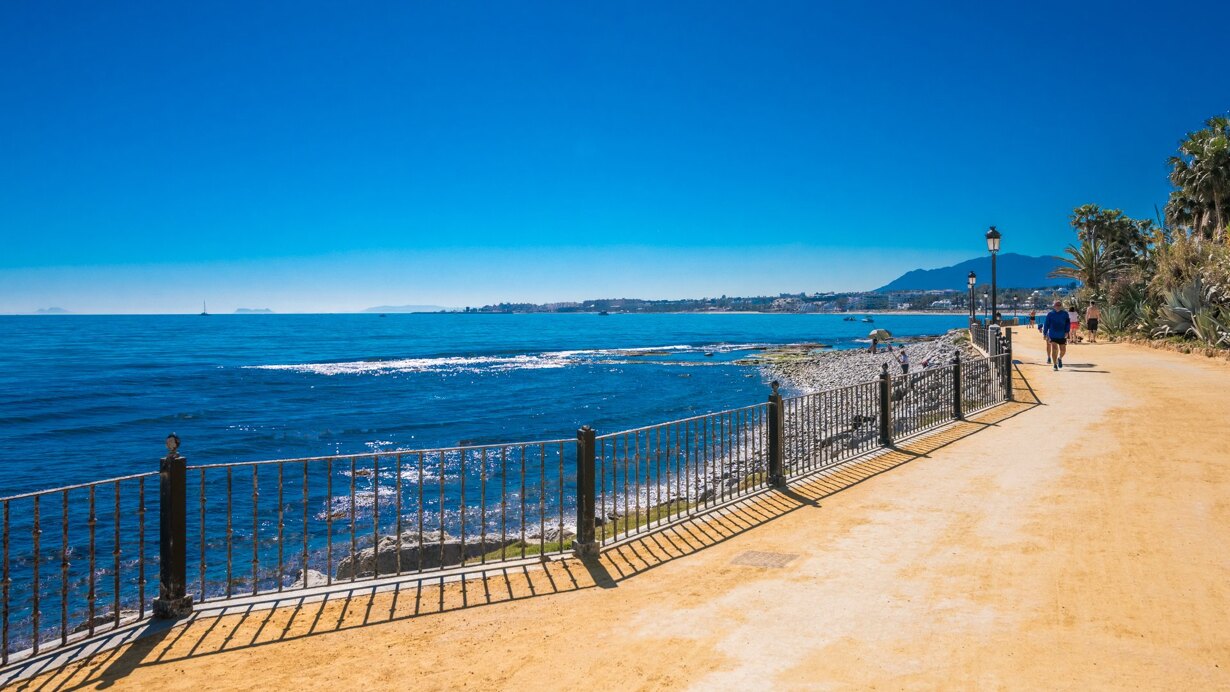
(253, 311)
(408, 308)
(52, 311)
(1011, 270)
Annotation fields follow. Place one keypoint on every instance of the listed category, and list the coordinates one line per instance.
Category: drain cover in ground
(756, 558)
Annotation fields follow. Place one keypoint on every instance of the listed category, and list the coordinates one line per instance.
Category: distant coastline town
(1024, 283)
(936, 300)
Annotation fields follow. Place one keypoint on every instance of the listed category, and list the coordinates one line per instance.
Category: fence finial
(774, 385)
(173, 445)
(884, 368)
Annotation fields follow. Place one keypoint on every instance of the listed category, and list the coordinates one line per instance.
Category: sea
(84, 398)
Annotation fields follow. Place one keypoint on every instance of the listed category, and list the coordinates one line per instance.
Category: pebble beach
(808, 368)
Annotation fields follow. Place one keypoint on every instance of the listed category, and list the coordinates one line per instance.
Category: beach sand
(1075, 542)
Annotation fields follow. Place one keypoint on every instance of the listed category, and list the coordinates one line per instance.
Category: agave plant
(1117, 319)
(1212, 327)
(1177, 311)
(1146, 318)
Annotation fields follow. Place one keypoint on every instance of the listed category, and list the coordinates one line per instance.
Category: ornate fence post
(585, 545)
(1008, 362)
(886, 399)
(958, 407)
(173, 601)
(777, 442)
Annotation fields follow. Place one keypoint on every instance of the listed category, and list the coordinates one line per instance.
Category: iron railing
(76, 561)
(272, 526)
(985, 382)
(650, 476)
(828, 427)
(923, 400)
(979, 335)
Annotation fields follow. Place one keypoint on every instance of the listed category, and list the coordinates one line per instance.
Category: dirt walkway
(1081, 542)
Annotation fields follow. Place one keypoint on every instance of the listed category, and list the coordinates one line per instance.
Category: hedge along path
(1075, 543)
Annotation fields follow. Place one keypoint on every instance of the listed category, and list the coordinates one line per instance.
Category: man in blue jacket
(1056, 329)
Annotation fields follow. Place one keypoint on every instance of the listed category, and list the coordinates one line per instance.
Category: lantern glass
(993, 237)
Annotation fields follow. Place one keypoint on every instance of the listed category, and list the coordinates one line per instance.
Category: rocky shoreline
(803, 369)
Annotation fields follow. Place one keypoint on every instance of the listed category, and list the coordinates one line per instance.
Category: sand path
(1079, 542)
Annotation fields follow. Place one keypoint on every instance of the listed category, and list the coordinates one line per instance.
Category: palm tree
(1131, 239)
(1090, 263)
(1201, 175)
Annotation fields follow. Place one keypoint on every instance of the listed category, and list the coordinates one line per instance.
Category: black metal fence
(270, 526)
(828, 427)
(76, 559)
(654, 475)
(979, 335)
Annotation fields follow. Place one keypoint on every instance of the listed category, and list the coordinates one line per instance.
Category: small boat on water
(868, 319)
(847, 319)
(204, 310)
(604, 313)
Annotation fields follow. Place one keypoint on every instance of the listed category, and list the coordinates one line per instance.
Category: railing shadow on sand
(273, 618)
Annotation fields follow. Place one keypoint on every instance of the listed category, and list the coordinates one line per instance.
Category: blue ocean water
(90, 397)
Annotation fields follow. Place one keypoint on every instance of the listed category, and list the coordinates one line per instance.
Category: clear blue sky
(331, 156)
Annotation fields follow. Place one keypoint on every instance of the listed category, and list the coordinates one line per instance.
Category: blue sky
(330, 156)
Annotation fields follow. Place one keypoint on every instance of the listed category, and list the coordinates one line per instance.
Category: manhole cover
(756, 558)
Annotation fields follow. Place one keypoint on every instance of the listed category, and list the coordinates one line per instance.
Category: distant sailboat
(204, 310)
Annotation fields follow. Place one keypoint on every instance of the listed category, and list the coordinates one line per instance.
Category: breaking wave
(673, 355)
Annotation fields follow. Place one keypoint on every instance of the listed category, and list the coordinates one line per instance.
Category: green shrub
(1117, 319)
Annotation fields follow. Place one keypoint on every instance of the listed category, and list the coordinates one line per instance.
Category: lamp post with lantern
(973, 278)
(993, 237)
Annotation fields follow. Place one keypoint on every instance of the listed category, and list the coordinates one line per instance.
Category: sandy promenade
(1080, 542)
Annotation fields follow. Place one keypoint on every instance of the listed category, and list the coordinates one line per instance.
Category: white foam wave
(447, 364)
(475, 364)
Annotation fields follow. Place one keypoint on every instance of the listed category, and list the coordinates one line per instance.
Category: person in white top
(1075, 317)
(904, 359)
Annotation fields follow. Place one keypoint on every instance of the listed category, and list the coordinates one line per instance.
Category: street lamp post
(984, 305)
(993, 245)
(972, 279)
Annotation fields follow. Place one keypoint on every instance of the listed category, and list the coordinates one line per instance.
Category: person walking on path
(904, 359)
(1055, 329)
(1074, 320)
(1092, 315)
(1033, 317)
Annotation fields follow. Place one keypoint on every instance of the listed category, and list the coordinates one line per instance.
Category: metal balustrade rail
(922, 400)
(979, 335)
(76, 559)
(985, 382)
(828, 427)
(272, 526)
(651, 476)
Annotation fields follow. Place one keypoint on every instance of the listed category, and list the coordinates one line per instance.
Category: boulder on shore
(386, 557)
(313, 580)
